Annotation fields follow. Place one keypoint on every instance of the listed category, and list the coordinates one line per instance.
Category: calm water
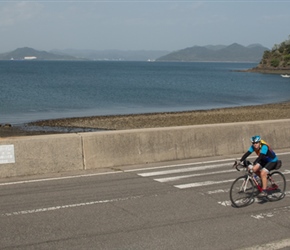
(36, 90)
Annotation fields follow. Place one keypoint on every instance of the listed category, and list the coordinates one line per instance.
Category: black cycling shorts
(269, 166)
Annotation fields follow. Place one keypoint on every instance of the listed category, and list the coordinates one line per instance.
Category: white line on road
(229, 203)
(218, 191)
(184, 170)
(230, 160)
(199, 184)
(176, 178)
(39, 210)
(182, 165)
(275, 245)
(56, 178)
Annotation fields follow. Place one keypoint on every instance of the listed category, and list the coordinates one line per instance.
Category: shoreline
(268, 71)
(150, 120)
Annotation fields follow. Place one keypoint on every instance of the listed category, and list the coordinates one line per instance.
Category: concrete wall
(55, 153)
(43, 154)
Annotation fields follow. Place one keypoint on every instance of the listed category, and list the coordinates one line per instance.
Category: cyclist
(265, 162)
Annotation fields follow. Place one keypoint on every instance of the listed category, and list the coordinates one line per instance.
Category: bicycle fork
(245, 184)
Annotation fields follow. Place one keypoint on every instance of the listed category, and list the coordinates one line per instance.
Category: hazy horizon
(140, 25)
(51, 50)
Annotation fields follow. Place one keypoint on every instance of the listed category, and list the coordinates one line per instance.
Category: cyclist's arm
(245, 156)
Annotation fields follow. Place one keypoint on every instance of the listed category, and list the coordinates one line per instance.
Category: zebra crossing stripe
(183, 170)
(176, 178)
(200, 184)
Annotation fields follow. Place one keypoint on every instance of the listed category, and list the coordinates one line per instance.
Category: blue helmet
(256, 138)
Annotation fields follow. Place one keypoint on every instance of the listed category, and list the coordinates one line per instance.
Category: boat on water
(286, 76)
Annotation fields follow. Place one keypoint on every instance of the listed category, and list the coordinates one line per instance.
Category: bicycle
(246, 187)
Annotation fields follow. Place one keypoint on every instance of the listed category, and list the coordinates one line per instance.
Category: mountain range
(232, 53)
(74, 54)
(216, 53)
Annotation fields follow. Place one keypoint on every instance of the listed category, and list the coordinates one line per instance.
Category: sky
(141, 25)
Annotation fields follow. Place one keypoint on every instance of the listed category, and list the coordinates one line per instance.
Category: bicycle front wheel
(276, 186)
(242, 191)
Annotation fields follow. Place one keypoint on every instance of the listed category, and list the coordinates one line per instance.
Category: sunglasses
(255, 142)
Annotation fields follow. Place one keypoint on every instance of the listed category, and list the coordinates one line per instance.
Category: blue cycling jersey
(265, 153)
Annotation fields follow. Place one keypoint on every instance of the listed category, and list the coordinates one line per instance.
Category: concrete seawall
(66, 152)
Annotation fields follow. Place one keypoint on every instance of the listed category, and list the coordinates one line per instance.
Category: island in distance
(213, 53)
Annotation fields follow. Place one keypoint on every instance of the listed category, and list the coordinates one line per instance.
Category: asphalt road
(176, 205)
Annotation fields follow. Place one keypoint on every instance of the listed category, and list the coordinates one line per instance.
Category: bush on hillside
(278, 57)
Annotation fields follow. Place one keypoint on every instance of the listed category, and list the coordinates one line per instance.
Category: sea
(39, 90)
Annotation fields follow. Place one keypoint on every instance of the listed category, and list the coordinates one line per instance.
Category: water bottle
(257, 178)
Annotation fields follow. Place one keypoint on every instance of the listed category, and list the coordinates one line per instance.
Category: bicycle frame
(250, 176)
(254, 180)
(256, 183)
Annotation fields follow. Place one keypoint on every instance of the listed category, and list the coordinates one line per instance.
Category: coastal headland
(152, 120)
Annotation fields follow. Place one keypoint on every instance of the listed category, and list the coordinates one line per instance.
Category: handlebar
(245, 165)
(238, 164)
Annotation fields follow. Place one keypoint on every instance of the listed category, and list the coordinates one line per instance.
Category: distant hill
(32, 54)
(278, 58)
(74, 54)
(213, 53)
(114, 55)
(232, 53)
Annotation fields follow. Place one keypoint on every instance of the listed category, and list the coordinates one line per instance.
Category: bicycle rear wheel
(242, 191)
(276, 186)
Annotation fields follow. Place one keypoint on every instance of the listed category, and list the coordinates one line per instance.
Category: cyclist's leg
(264, 172)
(257, 168)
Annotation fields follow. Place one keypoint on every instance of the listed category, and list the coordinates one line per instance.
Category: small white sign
(7, 154)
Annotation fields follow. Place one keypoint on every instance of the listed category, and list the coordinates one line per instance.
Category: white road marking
(183, 165)
(218, 191)
(183, 170)
(275, 211)
(55, 178)
(199, 184)
(275, 245)
(225, 203)
(229, 203)
(176, 178)
(230, 160)
(285, 172)
(39, 210)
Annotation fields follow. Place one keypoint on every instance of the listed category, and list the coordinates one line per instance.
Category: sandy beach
(167, 119)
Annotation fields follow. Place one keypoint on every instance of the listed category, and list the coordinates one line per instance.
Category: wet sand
(152, 120)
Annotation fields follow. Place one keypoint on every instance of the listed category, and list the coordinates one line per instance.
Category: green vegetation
(278, 58)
